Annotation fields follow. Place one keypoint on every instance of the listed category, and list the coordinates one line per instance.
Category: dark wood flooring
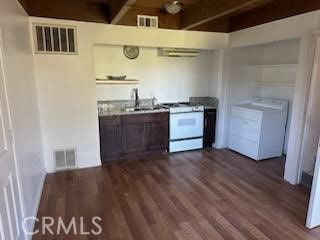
(200, 195)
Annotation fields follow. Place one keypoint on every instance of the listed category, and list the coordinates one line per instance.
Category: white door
(313, 219)
(10, 208)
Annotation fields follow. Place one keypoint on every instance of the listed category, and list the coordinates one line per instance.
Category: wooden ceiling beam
(71, 10)
(119, 8)
(217, 25)
(271, 12)
(207, 10)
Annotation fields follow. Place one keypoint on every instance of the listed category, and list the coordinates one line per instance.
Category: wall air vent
(145, 21)
(55, 39)
(178, 52)
(65, 159)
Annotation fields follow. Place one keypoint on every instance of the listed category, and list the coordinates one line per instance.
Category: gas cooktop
(179, 104)
(183, 107)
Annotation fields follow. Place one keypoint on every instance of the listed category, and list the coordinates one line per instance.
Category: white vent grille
(178, 52)
(145, 21)
(65, 159)
(55, 39)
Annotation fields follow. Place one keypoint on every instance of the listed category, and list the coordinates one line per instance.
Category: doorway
(265, 72)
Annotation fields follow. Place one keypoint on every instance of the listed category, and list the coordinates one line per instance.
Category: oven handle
(188, 112)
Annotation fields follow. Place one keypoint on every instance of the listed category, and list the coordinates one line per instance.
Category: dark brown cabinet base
(110, 137)
(133, 134)
(209, 127)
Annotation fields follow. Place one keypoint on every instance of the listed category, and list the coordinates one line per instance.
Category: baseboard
(80, 166)
(36, 206)
(219, 146)
(84, 166)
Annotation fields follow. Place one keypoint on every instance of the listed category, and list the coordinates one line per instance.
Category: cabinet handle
(206, 122)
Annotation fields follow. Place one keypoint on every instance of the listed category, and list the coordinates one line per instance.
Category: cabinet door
(144, 132)
(133, 134)
(110, 137)
(158, 136)
(209, 128)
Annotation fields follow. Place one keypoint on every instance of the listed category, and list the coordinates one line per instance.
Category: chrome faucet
(154, 101)
(136, 97)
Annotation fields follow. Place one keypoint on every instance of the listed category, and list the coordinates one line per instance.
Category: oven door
(186, 125)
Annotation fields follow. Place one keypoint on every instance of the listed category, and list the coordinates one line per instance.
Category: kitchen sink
(141, 109)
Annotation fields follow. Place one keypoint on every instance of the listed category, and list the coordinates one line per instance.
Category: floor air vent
(65, 159)
(55, 39)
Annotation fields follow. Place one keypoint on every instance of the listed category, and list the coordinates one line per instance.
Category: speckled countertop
(126, 107)
(117, 112)
(207, 102)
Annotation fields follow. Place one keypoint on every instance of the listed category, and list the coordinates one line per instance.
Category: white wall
(214, 83)
(168, 79)
(288, 28)
(283, 52)
(66, 84)
(239, 84)
(221, 64)
(19, 71)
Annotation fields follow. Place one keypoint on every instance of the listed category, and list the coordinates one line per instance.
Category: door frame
(294, 162)
(306, 130)
(301, 96)
(315, 193)
(14, 154)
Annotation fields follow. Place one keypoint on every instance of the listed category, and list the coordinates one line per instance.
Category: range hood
(178, 52)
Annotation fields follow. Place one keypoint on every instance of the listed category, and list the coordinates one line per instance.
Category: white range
(186, 126)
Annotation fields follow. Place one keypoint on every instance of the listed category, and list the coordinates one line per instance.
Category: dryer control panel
(270, 103)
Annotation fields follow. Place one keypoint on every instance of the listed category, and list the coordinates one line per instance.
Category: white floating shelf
(124, 81)
(290, 65)
(275, 83)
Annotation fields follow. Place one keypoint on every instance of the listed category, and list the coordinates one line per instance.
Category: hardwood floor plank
(199, 195)
(208, 232)
(248, 227)
(189, 232)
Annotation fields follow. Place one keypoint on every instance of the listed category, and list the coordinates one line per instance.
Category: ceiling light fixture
(173, 7)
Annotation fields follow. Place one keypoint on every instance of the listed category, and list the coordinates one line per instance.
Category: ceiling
(198, 15)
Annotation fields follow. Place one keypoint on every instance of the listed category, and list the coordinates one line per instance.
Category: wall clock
(131, 52)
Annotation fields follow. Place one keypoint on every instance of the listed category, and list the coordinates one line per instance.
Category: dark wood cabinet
(158, 134)
(133, 137)
(210, 116)
(145, 132)
(136, 133)
(110, 137)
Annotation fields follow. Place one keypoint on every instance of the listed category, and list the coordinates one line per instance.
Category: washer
(258, 128)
